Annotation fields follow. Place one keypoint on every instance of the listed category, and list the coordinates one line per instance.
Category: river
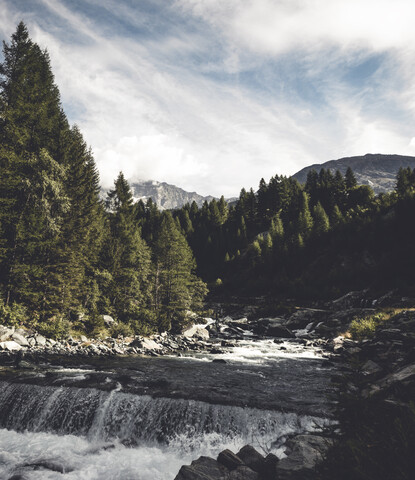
(143, 417)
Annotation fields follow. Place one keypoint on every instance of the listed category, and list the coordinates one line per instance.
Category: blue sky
(212, 95)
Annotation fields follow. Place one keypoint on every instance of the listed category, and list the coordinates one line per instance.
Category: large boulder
(40, 340)
(229, 459)
(198, 331)
(5, 333)
(145, 343)
(304, 452)
(278, 331)
(20, 339)
(243, 473)
(252, 458)
(204, 468)
(10, 346)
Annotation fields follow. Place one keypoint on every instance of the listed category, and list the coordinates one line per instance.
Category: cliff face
(378, 171)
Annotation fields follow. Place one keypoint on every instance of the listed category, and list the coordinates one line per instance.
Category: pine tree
(127, 257)
(174, 285)
(350, 179)
(305, 220)
(321, 220)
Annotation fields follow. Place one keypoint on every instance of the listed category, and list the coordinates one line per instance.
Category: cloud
(212, 95)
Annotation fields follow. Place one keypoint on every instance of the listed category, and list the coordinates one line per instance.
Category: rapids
(142, 418)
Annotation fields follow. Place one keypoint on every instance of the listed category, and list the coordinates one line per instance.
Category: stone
(10, 346)
(243, 473)
(269, 466)
(252, 458)
(146, 343)
(5, 333)
(204, 468)
(305, 452)
(20, 339)
(229, 459)
(370, 368)
(279, 331)
(108, 320)
(40, 340)
(197, 331)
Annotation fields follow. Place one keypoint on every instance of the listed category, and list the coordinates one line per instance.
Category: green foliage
(361, 328)
(13, 315)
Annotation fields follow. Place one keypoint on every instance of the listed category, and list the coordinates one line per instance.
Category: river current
(142, 417)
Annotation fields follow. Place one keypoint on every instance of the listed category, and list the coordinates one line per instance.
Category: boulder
(252, 458)
(243, 473)
(40, 340)
(108, 320)
(10, 346)
(145, 343)
(229, 459)
(204, 468)
(20, 339)
(198, 331)
(5, 333)
(305, 451)
(370, 368)
(278, 331)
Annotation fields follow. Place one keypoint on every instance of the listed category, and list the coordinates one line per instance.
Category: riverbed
(138, 417)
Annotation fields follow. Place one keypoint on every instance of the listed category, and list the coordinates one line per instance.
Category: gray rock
(196, 331)
(229, 459)
(279, 331)
(5, 333)
(108, 320)
(20, 339)
(305, 451)
(252, 458)
(243, 473)
(370, 368)
(40, 340)
(10, 346)
(204, 468)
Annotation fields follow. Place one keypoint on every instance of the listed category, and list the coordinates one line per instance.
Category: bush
(54, 327)
(121, 330)
(13, 315)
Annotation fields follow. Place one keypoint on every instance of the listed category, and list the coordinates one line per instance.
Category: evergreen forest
(68, 256)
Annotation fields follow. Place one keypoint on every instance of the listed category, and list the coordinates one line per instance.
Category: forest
(68, 256)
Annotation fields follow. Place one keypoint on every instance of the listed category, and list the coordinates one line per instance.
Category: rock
(146, 343)
(5, 333)
(243, 473)
(252, 458)
(108, 320)
(40, 340)
(279, 331)
(83, 338)
(204, 468)
(20, 339)
(10, 346)
(402, 375)
(218, 360)
(370, 368)
(269, 466)
(196, 331)
(229, 459)
(305, 452)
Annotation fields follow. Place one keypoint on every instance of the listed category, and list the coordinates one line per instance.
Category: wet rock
(279, 331)
(243, 473)
(268, 467)
(305, 451)
(252, 458)
(218, 360)
(229, 459)
(204, 468)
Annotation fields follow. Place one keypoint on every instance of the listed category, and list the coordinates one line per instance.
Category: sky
(213, 95)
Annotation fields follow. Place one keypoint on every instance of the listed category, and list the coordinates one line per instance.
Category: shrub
(14, 314)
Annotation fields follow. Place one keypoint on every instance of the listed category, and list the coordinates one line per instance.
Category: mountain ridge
(374, 169)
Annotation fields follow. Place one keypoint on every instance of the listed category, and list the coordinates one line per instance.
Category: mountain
(166, 196)
(377, 170)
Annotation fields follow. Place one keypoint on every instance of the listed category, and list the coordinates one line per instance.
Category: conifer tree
(305, 220)
(350, 179)
(321, 220)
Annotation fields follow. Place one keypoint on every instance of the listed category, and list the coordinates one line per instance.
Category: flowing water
(142, 418)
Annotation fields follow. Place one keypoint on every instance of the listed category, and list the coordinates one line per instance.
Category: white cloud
(147, 107)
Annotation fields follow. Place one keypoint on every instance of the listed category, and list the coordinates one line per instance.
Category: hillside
(377, 170)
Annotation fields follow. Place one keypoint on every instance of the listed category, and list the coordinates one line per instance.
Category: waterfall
(139, 419)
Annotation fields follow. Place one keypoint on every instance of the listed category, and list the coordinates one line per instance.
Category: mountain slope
(377, 170)
(166, 196)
